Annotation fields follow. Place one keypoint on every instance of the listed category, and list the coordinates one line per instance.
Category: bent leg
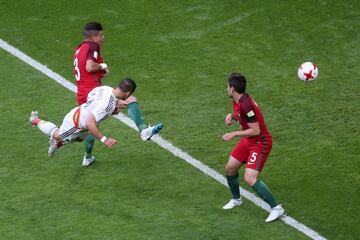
(47, 128)
(232, 176)
(134, 113)
(259, 187)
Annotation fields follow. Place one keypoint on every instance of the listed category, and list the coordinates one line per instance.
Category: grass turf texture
(180, 55)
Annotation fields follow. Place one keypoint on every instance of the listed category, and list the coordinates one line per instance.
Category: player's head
(94, 31)
(236, 83)
(127, 87)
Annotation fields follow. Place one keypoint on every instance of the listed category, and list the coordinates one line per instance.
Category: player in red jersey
(89, 68)
(88, 71)
(252, 149)
(88, 63)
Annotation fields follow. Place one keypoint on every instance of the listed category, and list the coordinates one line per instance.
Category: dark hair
(238, 81)
(92, 28)
(127, 85)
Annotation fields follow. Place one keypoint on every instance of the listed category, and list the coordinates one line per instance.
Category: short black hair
(92, 28)
(238, 81)
(127, 85)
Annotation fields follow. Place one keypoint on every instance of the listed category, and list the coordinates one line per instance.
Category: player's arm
(121, 104)
(229, 119)
(92, 127)
(92, 66)
(91, 60)
(253, 130)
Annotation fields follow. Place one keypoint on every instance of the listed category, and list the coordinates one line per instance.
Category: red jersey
(86, 81)
(247, 111)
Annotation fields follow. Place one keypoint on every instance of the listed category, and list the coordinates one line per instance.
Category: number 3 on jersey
(76, 69)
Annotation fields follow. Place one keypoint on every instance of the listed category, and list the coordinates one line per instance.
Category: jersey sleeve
(104, 108)
(93, 52)
(248, 112)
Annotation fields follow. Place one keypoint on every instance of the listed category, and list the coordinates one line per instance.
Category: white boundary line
(163, 143)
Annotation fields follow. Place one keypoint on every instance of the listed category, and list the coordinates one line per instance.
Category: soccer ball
(308, 71)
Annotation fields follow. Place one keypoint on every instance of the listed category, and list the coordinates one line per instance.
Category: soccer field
(180, 54)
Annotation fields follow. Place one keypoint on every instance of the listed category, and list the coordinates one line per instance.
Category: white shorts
(68, 132)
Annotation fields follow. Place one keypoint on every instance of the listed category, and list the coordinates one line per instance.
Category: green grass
(180, 55)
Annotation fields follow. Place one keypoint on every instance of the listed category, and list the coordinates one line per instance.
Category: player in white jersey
(100, 104)
(84, 119)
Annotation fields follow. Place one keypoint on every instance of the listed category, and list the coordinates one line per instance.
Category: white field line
(164, 143)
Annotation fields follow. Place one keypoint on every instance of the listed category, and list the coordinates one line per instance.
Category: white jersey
(101, 102)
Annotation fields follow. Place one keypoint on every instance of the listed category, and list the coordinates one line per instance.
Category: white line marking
(164, 143)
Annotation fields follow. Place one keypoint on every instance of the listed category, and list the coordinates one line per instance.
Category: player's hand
(105, 72)
(116, 111)
(121, 104)
(228, 119)
(228, 136)
(109, 142)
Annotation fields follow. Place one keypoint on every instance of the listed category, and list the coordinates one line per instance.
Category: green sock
(233, 182)
(89, 144)
(264, 192)
(135, 114)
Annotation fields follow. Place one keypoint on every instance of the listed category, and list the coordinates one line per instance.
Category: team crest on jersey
(96, 55)
(251, 113)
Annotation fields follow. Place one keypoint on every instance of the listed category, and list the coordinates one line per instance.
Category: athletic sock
(264, 192)
(36, 121)
(89, 144)
(233, 182)
(46, 127)
(135, 114)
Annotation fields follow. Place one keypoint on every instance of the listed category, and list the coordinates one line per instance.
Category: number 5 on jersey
(253, 157)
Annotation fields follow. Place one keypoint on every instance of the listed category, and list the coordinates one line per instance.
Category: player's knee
(56, 135)
(230, 170)
(250, 179)
(131, 99)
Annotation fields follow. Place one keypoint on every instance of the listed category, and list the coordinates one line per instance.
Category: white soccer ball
(308, 71)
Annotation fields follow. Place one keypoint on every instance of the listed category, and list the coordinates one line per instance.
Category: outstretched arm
(92, 127)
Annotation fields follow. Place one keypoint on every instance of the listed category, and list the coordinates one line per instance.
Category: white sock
(47, 127)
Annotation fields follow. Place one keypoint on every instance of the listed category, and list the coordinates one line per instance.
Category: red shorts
(83, 92)
(81, 97)
(253, 153)
(81, 100)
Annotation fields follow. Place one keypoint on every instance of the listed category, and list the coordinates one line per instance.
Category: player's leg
(254, 165)
(49, 129)
(67, 133)
(237, 156)
(46, 127)
(233, 180)
(89, 144)
(134, 113)
(262, 190)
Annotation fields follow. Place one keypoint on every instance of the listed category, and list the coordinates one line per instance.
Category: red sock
(36, 121)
